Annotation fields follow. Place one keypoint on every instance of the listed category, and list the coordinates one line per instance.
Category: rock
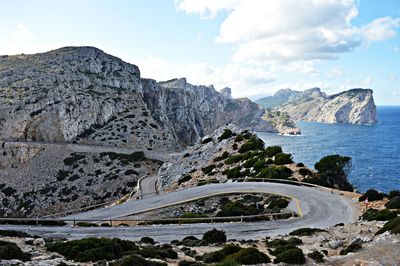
(355, 106)
(336, 244)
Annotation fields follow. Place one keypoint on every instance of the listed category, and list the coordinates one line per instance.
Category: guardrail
(178, 220)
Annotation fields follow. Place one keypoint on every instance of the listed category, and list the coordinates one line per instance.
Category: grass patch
(378, 215)
(392, 226)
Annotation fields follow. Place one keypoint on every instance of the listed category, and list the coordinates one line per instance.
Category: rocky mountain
(74, 121)
(355, 106)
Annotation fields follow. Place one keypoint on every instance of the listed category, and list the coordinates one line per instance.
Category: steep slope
(191, 112)
(355, 106)
(74, 121)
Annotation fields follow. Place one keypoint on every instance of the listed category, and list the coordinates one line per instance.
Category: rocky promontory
(355, 106)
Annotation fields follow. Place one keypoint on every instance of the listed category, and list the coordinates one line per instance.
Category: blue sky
(253, 46)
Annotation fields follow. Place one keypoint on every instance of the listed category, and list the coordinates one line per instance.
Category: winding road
(318, 208)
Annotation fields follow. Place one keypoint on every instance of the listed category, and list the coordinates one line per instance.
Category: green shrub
(86, 224)
(291, 256)
(333, 171)
(259, 164)
(250, 256)
(278, 203)
(394, 193)
(271, 151)
(184, 179)
(237, 209)
(305, 172)
(250, 162)
(214, 236)
(253, 144)
(316, 256)
(158, 252)
(212, 257)
(305, 231)
(239, 138)
(190, 263)
(208, 181)
(371, 195)
(12, 233)
(233, 172)
(228, 262)
(223, 156)
(392, 225)
(234, 159)
(283, 158)
(353, 247)
(275, 171)
(10, 251)
(226, 134)
(208, 169)
(394, 203)
(378, 215)
(293, 241)
(147, 240)
(137, 261)
(93, 249)
(234, 146)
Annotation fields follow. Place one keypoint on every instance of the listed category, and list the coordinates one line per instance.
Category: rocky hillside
(73, 122)
(354, 106)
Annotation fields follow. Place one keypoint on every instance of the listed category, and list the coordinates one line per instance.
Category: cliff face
(354, 106)
(191, 111)
(84, 95)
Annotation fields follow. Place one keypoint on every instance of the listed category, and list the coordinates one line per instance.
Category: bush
(190, 263)
(306, 231)
(214, 236)
(293, 241)
(259, 164)
(393, 226)
(162, 252)
(147, 240)
(333, 170)
(12, 233)
(226, 134)
(237, 209)
(233, 172)
(291, 256)
(137, 261)
(239, 138)
(86, 224)
(250, 256)
(355, 246)
(250, 162)
(253, 144)
(316, 256)
(223, 156)
(271, 151)
(283, 158)
(234, 159)
(10, 251)
(378, 215)
(278, 203)
(305, 172)
(274, 171)
(394, 203)
(394, 193)
(371, 195)
(208, 169)
(184, 179)
(93, 249)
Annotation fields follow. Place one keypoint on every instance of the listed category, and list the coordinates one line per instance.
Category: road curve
(320, 209)
(148, 187)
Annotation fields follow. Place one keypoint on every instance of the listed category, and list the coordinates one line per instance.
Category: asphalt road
(319, 208)
(148, 187)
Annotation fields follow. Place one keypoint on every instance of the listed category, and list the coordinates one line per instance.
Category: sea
(375, 149)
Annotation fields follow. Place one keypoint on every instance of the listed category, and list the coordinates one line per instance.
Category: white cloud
(367, 81)
(22, 40)
(283, 31)
(21, 33)
(335, 72)
(392, 77)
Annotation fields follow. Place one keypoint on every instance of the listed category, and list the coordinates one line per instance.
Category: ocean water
(375, 149)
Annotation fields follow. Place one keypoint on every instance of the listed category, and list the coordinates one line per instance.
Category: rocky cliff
(355, 106)
(73, 120)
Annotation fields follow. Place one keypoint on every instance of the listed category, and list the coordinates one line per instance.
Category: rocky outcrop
(81, 94)
(355, 106)
(190, 111)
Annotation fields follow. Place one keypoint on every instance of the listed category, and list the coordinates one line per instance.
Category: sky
(255, 47)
